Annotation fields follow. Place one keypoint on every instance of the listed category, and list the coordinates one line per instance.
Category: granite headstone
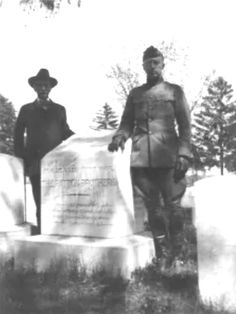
(215, 210)
(12, 194)
(87, 210)
(86, 191)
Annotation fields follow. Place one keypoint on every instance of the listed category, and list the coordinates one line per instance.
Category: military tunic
(157, 119)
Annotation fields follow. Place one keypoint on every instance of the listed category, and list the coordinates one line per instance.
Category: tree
(126, 77)
(203, 91)
(106, 119)
(211, 126)
(7, 123)
(50, 5)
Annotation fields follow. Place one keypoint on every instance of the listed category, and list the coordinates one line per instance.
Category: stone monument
(86, 191)
(215, 210)
(12, 201)
(87, 209)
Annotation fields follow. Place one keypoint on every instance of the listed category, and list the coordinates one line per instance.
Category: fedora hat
(42, 76)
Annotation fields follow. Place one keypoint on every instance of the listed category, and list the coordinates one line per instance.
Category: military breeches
(153, 186)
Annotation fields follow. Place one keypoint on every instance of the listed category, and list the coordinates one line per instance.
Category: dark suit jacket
(37, 131)
(150, 118)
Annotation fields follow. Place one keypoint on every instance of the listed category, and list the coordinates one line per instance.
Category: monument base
(15, 231)
(118, 256)
(7, 236)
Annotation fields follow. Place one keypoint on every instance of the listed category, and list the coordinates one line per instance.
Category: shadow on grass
(62, 288)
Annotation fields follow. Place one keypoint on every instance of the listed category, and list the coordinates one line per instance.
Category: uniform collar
(159, 81)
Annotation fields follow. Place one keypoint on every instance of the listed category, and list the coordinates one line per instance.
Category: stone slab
(7, 237)
(215, 210)
(16, 231)
(114, 256)
(12, 194)
(86, 190)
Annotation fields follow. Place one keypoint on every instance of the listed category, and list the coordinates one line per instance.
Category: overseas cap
(152, 52)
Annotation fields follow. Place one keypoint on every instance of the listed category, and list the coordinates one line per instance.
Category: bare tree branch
(126, 78)
(50, 5)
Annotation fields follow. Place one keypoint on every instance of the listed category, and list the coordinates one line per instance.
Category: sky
(80, 45)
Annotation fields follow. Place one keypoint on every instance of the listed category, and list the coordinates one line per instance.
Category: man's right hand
(117, 142)
(181, 167)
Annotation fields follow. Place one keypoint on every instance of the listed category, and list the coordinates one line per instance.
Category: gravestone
(86, 191)
(12, 203)
(215, 210)
(87, 210)
(12, 197)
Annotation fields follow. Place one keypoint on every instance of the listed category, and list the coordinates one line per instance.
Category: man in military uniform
(160, 154)
(40, 127)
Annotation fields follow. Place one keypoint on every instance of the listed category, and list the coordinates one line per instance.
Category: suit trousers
(36, 189)
(153, 187)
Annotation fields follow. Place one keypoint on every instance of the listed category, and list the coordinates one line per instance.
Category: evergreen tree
(7, 122)
(211, 127)
(106, 119)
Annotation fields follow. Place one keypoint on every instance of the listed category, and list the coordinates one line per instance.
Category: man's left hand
(181, 167)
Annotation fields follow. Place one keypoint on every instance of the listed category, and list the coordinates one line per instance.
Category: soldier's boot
(160, 233)
(162, 248)
(176, 228)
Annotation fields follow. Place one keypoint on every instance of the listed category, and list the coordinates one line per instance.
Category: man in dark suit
(40, 127)
(160, 155)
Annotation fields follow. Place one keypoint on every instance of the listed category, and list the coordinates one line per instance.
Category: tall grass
(65, 287)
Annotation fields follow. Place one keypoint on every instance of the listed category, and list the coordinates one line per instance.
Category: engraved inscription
(80, 194)
(85, 215)
(86, 191)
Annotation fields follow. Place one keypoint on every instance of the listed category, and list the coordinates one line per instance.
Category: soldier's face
(42, 89)
(153, 67)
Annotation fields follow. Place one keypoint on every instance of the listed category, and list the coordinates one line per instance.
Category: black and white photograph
(117, 157)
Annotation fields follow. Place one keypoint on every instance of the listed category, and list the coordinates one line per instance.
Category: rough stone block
(114, 256)
(215, 210)
(12, 194)
(86, 190)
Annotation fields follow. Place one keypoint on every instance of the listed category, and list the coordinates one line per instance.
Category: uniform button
(149, 132)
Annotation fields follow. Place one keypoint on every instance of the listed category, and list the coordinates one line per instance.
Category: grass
(69, 290)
